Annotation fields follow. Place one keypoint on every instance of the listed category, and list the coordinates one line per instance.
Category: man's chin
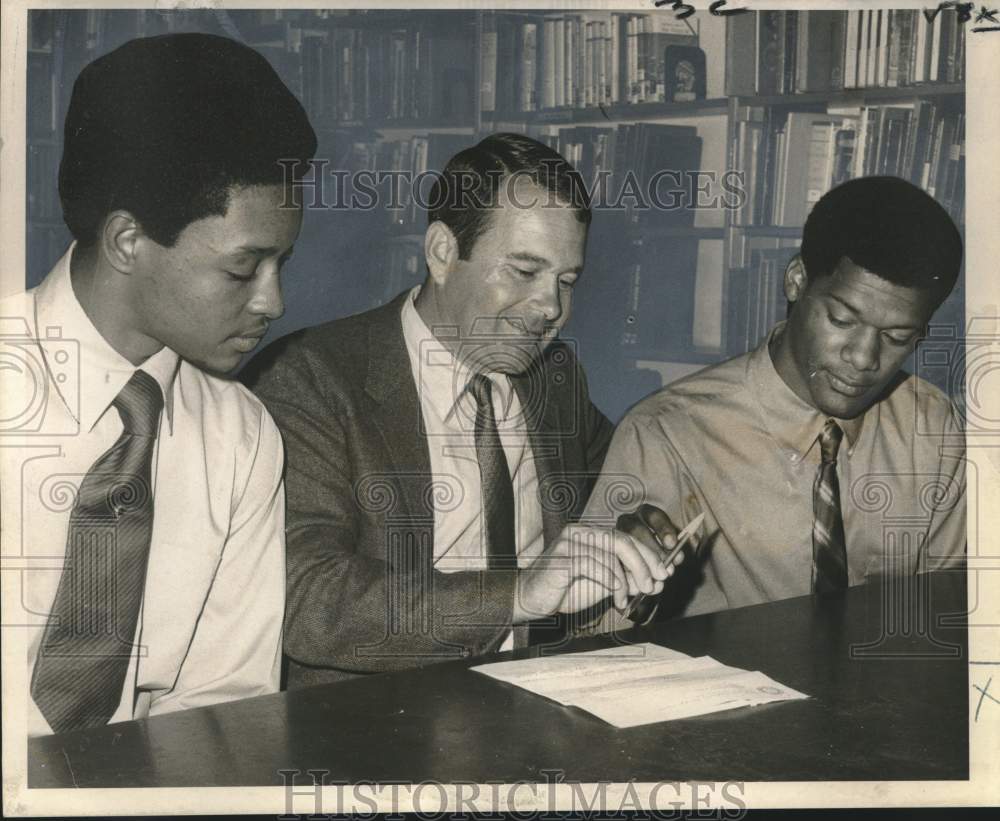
(843, 407)
(221, 365)
(511, 359)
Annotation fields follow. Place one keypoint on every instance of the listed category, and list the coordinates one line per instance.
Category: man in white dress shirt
(143, 503)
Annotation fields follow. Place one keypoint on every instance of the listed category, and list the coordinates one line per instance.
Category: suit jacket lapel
(542, 419)
(397, 415)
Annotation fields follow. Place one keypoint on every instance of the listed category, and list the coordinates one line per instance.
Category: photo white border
(982, 298)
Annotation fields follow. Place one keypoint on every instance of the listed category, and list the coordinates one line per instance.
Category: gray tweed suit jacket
(362, 593)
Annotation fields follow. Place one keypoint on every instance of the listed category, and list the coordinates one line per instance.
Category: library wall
(790, 102)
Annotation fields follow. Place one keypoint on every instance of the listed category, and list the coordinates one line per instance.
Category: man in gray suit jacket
(438, 447)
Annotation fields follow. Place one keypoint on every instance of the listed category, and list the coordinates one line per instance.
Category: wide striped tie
(84, 655)
(497, 492)
(829, 547)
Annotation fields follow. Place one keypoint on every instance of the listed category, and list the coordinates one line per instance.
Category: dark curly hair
(889, 227)
(164, 127)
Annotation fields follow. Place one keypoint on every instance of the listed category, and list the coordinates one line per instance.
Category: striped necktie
(829, 547)
(497, 491)
(84, 655)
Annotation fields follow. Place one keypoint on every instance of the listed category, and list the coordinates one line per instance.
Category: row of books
(755, 295)
(576, 60)
(350, 74)
(642, 170)
(41, 176)
(406, 189)
(790, 159)
(787, 52)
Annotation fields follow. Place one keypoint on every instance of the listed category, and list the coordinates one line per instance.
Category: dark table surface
(885, 666)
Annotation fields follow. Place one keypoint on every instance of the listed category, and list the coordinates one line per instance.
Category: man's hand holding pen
(586, 564)
(652, 527)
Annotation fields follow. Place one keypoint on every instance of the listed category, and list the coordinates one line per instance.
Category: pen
(683, 538)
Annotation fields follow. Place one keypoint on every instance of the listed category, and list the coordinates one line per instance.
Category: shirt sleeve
(641, 467)
(236, 649)
(945, 546)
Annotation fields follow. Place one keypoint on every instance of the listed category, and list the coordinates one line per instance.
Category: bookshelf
(667, 289)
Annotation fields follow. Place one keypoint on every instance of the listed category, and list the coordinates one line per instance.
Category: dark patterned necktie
(497, 492)
(84, 655)
(829, 547)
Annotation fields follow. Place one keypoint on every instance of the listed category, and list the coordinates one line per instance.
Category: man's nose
(267, 300)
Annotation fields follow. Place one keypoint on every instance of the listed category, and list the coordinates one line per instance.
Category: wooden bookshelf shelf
(855, 96)
(697, 232)
(614, 113)
(780, 231)
(690, 356)
(422, 124)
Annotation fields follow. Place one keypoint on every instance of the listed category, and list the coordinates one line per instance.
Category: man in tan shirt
(817, 462)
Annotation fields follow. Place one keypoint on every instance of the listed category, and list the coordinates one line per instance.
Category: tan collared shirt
(210, 623)
(735, 442)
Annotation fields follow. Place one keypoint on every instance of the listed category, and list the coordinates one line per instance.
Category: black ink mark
(717, 9)
(989, 16)
(985, 694)
(963, 10)
(684, 10)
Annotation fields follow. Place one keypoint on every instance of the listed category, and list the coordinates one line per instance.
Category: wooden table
(886, 669)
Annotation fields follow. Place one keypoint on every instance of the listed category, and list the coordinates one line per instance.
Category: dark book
(946, 60)
(507, 73)
(817, 49)
(741, 54)
(790, 36)
(838, 49)
(661, 295)
(769, 52)
(667, 155)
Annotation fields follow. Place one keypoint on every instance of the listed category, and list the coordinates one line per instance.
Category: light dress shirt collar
(103, 371)
(444, 380)
(793, 424)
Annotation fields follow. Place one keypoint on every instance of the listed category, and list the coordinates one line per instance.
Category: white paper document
(640, 683)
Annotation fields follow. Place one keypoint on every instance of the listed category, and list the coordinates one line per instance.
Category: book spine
(922, 52)
(616, 58)
(852, 40)
(894, 48)
(838, 34)
(529, 57)
(559, 67)
(547, 64)
(488, 67)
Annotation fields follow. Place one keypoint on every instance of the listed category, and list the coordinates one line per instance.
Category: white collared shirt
(449, 413)
(210, 623)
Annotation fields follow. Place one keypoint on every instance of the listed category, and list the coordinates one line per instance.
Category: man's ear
(796, 279)
(440, 251)
(119, 237)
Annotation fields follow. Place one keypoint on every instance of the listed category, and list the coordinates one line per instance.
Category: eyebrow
(525, 256)
(856, 312)
(262, 251)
